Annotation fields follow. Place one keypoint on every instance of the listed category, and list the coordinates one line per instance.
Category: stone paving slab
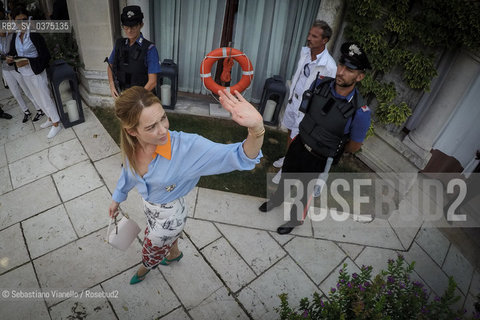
(146, 300)
(191, 200)
(228, 264)
(45, 162)
(66, 154)
(89, 212)
(261, 296)
(177, 314)
(31, 168)
(84, 308)
(41, 195)
(258, 249)
(434, 242)
(427, 269)
(191, 278)
(3, 137)
(282, 239)
(6, 185)
(82, 175)
(22, 280)
(35, 142)
(133, 207)
(317, 257)
(376, 233)
(457, 266)
(94, 138)
(109, 169)
(20, 130)
(200, 232)
(220, 305)
(240, 210)
(375, 257)
(12, 256)
(352, 250)
(48, 231)
(3, 156)
(405, 231)
(84, 263)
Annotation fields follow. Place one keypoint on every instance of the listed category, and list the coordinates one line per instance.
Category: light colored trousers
(15, 81)
(38, 86)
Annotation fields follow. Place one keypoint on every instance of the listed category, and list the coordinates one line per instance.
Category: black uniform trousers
(309, 166)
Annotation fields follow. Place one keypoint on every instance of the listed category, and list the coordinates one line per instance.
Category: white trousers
(14, 81)
(38, 86)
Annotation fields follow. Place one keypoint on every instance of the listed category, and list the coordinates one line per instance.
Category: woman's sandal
(166, 262)
(136, 278)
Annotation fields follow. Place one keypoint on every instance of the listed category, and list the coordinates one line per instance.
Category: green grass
(252, 182)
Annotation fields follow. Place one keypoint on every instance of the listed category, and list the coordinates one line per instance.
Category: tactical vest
(129, 63)
(322, 128)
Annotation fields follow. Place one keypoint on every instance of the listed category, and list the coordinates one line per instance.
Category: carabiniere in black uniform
(322, 128)
(129, 65)
(321, 136)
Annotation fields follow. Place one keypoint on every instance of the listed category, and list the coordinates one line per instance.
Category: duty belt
(309, 149)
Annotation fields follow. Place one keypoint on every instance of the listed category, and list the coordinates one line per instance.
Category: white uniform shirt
(323, 64)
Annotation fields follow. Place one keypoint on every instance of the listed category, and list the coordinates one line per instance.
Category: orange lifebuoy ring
(225, 52)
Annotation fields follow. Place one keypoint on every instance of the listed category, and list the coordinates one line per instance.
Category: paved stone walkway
(54, 196)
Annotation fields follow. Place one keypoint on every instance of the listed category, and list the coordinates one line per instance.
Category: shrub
(392, 294)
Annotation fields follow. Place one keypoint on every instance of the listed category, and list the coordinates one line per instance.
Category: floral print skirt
(165, 223)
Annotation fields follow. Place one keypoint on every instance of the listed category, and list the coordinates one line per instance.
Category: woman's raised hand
(242, 111)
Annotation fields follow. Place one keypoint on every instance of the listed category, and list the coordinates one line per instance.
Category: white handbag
(126, 230)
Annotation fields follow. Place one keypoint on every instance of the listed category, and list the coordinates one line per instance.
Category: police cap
(354, 57)
(131, 16)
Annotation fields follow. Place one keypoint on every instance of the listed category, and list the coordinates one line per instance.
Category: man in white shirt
(314, 59)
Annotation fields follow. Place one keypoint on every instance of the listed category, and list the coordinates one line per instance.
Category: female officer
(165, 165)
(134, 59)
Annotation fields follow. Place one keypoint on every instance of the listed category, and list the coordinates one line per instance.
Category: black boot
(268, 205)
(287, 227)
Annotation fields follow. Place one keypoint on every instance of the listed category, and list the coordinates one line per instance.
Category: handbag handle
(108, 229)
(114, 220)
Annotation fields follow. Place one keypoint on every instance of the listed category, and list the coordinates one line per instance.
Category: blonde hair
(128, 108)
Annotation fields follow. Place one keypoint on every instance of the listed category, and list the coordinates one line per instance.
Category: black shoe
(4, 115)
(284, 230)
(38, 116)
(267, 206)
(26, 116)
(288, 227)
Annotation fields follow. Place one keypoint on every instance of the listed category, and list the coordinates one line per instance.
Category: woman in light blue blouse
(165, 165)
